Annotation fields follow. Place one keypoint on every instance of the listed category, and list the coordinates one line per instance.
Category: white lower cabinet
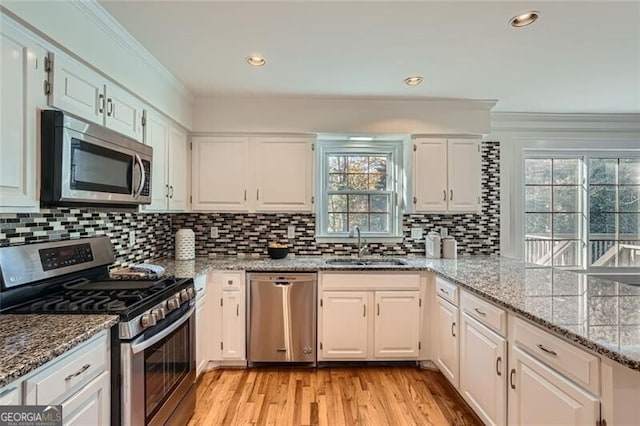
(369, 316)
(540, 396)
(233, 343)
(203, 324)
(91, 405)
(446, 347)
(483, 370)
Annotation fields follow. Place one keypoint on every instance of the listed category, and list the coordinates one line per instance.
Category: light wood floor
(329, 396)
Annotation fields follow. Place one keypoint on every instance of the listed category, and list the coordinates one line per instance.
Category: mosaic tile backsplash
(153, 231)
(250, 233)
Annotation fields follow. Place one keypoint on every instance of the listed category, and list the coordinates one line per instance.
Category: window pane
(337, 222)
(538, 198)
(602, 223)
(357, 182)
(537, 171)
(379, 203)
(603, 252)
(566, 225)
(602, 198)
(337, 203)
(566, 199)
(337, 182)
(538, 225)
(359, 219)
(630, 225)
(566, 171)
(378, 165)
(630, 198)
(630, 170)
(602, 170)
(358, 203)
(337, 164)
(377, 182)
(358, 164)
(629, 253)
(537, 251)
(567, 253)
(379, 222)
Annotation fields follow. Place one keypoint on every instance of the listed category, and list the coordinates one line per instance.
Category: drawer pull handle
(549, 351)
(511, 375)
(7, 391)
(79, 372)
(480, 312)
(499, 366)
(442, 290)
(453, 326)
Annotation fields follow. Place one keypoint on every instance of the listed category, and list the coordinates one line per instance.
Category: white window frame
(395, 172)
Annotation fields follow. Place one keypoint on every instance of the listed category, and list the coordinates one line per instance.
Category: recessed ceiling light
(360, 138)
(256, 61)
(413, 81)
(524, 19)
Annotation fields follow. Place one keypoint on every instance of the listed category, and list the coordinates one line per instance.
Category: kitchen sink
(366, 262)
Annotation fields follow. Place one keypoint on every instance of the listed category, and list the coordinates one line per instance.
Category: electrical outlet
(214, 232)
(416, 233)
(132, 238)
(291, 231)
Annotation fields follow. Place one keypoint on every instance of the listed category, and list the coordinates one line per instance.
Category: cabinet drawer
(370, 281)
(447, 290)
(576, 364)
(485, 312)
(232, 281)
(62, 378)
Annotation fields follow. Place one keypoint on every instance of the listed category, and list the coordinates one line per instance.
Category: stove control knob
(173, 304)
(148, 320)
(159, 313)
(184, 296)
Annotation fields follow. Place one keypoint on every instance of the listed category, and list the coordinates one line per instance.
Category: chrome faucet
(362, 250)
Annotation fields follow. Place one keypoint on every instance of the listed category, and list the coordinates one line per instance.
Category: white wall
(519, 132)
(87, 31)
(341, 115)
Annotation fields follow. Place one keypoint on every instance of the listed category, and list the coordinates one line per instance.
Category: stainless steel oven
(83, 163)
(158, 373)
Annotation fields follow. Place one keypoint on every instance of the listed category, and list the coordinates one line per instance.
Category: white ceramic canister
(433, 247)
(449, 248)
(185, 244)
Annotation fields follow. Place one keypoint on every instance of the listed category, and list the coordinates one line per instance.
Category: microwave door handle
(143, 176)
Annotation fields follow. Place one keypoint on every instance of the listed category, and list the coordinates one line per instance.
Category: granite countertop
(598, 314)
(31, 340)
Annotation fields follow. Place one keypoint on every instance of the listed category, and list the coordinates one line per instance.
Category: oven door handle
(140, 344)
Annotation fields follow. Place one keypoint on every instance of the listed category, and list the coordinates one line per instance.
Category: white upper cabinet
(238, 173)
(22, 82)
(169, 169)
(446, 175)
(85, 93)
(284, 173)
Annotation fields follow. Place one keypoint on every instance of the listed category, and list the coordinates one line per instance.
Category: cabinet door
(157, 137)
(90, 405)
(464, 175)
(21, 85)
(430, 175)
(446, 345)
(233, 325)
(124, 112)
(201, 338)
(283, 174)
(538, 395)
(483, 371)
(343, 328)
(219, 167)
(78, 90)
(178, 166)
(397, 324)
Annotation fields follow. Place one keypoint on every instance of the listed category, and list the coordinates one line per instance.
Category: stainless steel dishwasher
(282, 318)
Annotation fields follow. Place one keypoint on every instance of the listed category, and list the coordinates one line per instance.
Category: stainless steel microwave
(86, 164)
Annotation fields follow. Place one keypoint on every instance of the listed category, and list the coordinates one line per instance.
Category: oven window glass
(165, 365)
(95, 168)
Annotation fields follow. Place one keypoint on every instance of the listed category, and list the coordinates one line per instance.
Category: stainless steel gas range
(153, 345)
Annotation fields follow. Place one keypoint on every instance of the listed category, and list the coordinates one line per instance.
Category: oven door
(158, 375)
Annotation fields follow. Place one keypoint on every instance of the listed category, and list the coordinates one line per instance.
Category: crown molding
(108, 24)
(565, 123)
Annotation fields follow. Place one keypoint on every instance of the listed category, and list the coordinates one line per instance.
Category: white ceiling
(578, 57)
